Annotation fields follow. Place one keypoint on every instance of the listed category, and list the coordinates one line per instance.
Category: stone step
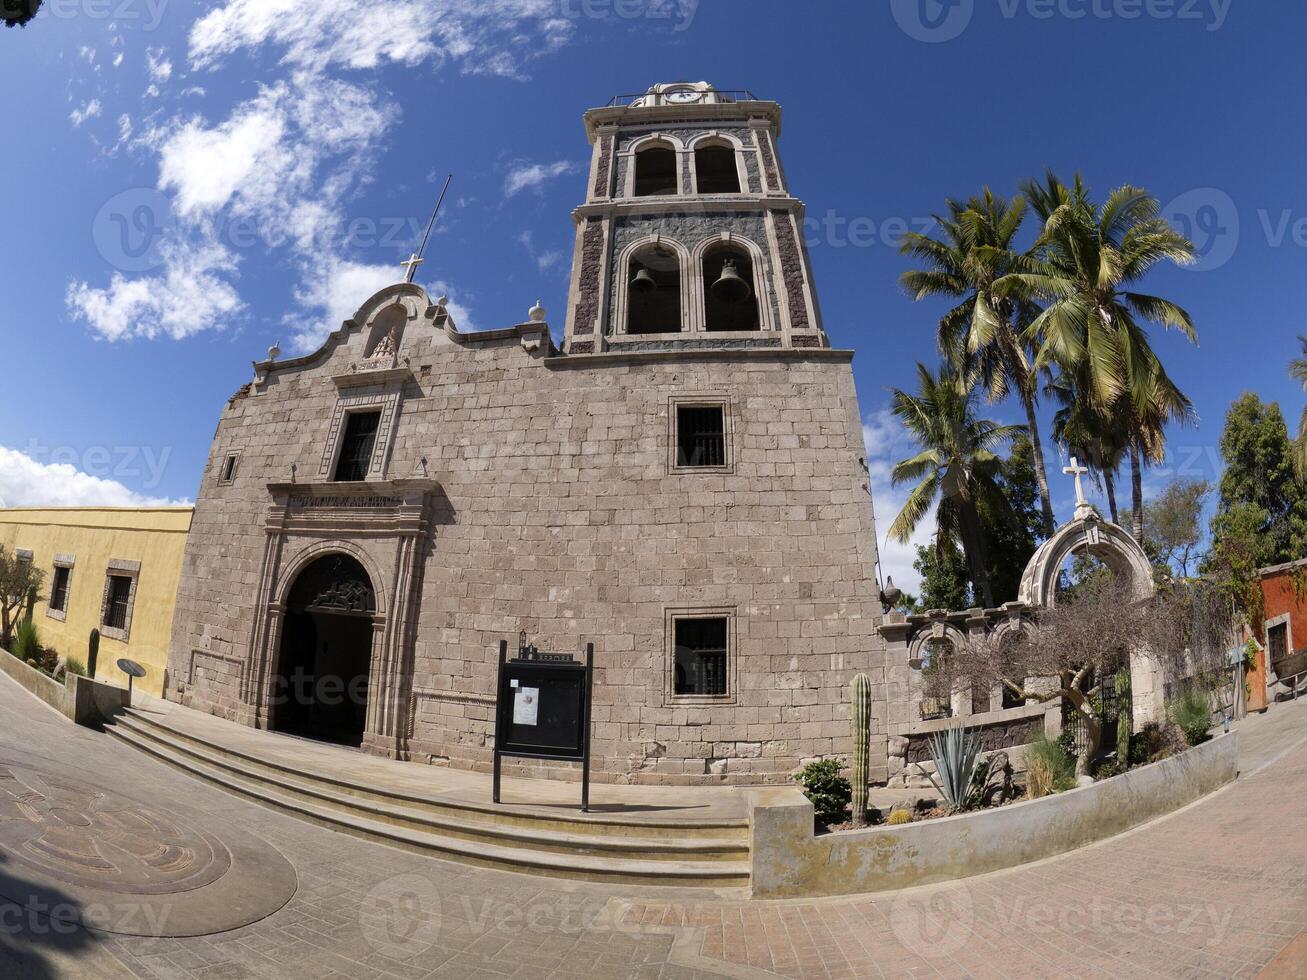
(591, 859)
(535, 819)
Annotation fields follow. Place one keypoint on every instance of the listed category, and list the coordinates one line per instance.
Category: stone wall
(556, 510)
(789, 861)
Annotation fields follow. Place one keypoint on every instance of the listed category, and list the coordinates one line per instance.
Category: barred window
(115, 609)
(701, 657)
(356, 446)
(59, 589)
(700, 435)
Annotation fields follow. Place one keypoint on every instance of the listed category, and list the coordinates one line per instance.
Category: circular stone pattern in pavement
(92, 837)
(73, 850)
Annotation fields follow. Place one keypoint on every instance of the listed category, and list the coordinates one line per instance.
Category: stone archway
(323, 668)
(1120, 552)
(1110, 544)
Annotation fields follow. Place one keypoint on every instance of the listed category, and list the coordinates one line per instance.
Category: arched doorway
(321, 683)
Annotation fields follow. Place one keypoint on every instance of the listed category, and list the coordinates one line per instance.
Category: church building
(681, 483)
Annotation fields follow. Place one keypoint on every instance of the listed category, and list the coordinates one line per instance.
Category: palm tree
(1298, 371)
(1082, 265)
(956, 465)
(973, 253)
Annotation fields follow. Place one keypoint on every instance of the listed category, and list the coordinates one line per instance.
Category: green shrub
(74, 666)
(27, 645)
(829, 792)
(1154, 742)
(899, 817)
(1192, 712)
(1049, 768)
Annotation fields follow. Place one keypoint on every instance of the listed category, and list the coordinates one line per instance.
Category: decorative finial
(537, 313)
(442, 301)
(274, 351)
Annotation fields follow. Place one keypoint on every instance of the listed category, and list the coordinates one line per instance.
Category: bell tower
(689, 237)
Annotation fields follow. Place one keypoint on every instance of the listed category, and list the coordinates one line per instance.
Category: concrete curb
(789, 861)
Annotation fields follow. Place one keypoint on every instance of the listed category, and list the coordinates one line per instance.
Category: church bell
(731, 287)
(643, 282)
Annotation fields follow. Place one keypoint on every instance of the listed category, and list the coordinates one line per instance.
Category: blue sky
(280, 157)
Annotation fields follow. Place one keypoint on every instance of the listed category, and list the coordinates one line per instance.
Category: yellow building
(109, 571)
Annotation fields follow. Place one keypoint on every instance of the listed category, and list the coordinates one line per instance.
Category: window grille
(700, 436)
(701, 657)
(356, 446)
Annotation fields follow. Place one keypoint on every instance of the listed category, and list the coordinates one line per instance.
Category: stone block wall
(560, 514)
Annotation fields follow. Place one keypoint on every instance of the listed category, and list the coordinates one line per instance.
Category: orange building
(1283, 631)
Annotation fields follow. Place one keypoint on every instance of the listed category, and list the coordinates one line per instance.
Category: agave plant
(955, 752)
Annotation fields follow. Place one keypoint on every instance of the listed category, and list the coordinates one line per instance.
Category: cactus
(860, 690)
(1123, 718)
(899, 817)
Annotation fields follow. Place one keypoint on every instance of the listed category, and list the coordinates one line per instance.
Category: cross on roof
(412, 266)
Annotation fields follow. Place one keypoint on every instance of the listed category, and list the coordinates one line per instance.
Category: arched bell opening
(730, 290)
(320, 689)
(715, 170)
(655, 172)
(653, 292)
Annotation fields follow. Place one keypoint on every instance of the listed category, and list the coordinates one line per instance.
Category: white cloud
(544, 260)
(159, 67)
(486, 35)
(334, 291)
(887, 443)
(192, 294)
(89, 111)
(27, 482)
(282, 163)
(247, 154)
(526, 175)
(118, 59)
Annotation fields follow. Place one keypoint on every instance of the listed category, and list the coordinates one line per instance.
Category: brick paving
(1217, 890)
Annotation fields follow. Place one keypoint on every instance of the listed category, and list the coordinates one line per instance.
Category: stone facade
(514, 486)
(523, 489)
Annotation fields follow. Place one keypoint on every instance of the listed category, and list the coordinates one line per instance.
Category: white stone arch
(1119, 551)
(1107, 542)
(762, 285)
(646, 142)
(938, 631)
(622, 293)
(715, 138)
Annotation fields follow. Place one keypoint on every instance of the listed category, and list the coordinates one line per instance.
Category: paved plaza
(1217, 890)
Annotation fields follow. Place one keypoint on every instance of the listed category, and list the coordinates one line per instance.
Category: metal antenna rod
(413, 263)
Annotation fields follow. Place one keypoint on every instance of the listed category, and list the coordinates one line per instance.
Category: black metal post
(585, 762)
(499, 693)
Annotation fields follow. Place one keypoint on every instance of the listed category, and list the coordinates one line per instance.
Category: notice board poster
(544, 707)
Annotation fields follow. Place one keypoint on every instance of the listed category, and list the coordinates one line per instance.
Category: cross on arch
(1077, 471)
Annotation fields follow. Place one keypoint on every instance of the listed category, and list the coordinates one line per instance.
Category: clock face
(683, 96)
